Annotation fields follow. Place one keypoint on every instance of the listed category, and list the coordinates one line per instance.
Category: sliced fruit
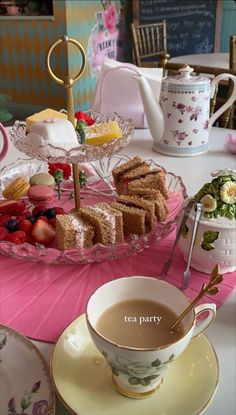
(17, 237)
(12, 207)
(43, 233)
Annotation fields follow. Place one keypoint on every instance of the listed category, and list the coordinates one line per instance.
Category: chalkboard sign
(191, 24)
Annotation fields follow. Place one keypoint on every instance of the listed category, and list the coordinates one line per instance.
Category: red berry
(3, 233)
(38, 209)
(43, 233)
(26, 226)
(59, 210)
(42, 218)
(52, 222)
(17, 237)
(12, 207)
(4, 219)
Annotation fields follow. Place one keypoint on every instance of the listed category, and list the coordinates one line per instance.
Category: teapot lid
(185, 77)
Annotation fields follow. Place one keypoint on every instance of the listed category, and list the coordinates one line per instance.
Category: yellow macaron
(16, 189)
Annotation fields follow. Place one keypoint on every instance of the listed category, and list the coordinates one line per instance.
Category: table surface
(216, 60)
(222, 333)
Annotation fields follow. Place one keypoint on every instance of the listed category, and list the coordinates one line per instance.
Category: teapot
(3, 132)
(180, 123)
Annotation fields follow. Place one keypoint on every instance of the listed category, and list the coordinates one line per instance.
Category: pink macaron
(40, 194)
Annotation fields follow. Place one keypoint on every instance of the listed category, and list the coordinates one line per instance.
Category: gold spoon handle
(209, 288)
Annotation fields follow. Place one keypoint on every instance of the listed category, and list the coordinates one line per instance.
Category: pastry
(55, 130)
(43, 115)
(16, 189)
(40, 194)
(99, 134)
(42, 178)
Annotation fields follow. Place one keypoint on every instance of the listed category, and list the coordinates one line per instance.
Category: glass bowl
(99, 188)
(79, 154)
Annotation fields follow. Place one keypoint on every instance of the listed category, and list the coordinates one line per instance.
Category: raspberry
(17, 237)
(3, 233)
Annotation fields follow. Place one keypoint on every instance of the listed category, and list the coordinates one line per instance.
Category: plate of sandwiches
(127, 206)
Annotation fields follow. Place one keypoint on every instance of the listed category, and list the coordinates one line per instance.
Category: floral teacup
(138, 372)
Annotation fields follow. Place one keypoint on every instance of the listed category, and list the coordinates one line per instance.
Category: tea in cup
(130, 319)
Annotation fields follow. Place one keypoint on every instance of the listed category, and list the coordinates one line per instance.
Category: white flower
(228, 192)
(209, 203)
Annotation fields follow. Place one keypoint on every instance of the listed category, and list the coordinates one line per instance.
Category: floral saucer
(25, 384)
(83, 382)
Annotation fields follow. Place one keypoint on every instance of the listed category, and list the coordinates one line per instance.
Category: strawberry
(43, 233)
(26, 226)
(38, 209)
(17, 237)
(52, 222)
(3, 233)
(4, 219)
(59, 210)
(12, 207)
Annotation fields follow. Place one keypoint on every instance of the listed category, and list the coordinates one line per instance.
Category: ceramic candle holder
(139, 372)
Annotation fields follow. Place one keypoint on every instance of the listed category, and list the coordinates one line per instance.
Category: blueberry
(31, 219)
(50, 213)
(41, 213)
(12, 225)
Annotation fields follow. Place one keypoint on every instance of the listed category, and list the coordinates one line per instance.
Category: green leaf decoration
(105, 354)
(156, 363)
(184, 231)
(115, 370)
(151, 377)
(145, 382)
(133, 380)
(210, 236)
(206, 246)
(171, 357)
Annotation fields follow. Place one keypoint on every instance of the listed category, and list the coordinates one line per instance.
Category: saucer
(83, 381)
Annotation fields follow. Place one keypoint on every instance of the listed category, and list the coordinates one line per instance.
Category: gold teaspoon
(209, 288)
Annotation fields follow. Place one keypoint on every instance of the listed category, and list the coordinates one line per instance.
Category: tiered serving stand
(103, 159)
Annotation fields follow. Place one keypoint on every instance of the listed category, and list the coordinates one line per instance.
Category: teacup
(139, 372)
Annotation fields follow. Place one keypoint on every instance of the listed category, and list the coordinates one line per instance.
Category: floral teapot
(3, 152)
(180, 124)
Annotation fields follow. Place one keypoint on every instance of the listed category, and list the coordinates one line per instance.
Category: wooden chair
(216, 101)
(232, 53)
(149, 41)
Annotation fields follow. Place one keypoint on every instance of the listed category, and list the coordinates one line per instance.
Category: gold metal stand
(68, 82)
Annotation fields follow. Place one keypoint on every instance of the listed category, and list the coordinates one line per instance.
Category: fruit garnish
(3, 233)
(4, 219)
(50, 213)
(26, 226)
(59, 210)
(12, 225)
(38, 209)
(43, 233)
(12, 207)
(52, 222)
(17, 237)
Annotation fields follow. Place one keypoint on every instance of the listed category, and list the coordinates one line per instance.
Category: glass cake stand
(99, 188)
(79, 154)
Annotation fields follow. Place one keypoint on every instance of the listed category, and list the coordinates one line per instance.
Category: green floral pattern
(208, 238)
(137, 372)
(217, 189)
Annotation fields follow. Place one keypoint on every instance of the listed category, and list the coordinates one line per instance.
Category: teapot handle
(229, 101)
(5, 142)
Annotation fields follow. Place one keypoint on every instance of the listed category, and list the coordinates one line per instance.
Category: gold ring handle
(67, 82)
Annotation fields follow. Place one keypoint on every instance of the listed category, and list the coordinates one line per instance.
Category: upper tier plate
(79, 154)
(100, 188)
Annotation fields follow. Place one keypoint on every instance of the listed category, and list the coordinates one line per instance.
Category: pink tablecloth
(41, 300)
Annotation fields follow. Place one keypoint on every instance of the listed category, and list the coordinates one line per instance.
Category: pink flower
(110, 18)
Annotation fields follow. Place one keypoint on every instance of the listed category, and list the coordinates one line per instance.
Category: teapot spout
(152, 109)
